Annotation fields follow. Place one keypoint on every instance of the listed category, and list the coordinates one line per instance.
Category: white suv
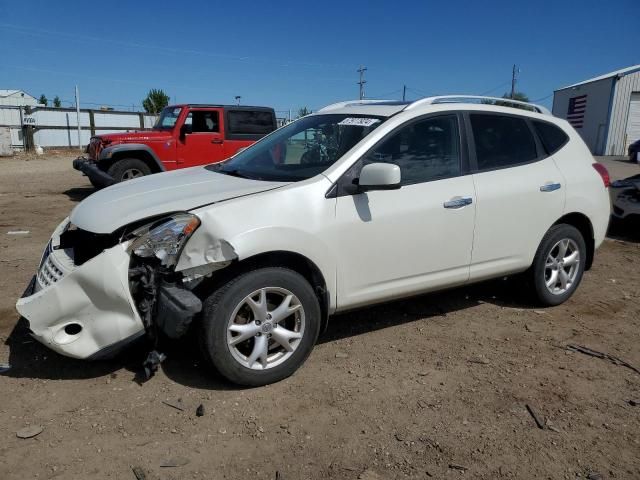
(359, 203)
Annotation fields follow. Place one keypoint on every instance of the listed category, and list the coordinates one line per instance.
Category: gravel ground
(436, 386)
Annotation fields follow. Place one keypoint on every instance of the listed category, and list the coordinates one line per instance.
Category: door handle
(217, 141)
(458, 202)
(550, 187)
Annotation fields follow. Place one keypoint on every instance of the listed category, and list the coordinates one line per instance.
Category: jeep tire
(128, 169)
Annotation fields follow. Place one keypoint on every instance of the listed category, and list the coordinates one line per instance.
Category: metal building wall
(625, 86)
(594, 129)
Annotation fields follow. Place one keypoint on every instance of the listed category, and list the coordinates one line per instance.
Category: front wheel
(261, 326)
(558, 265)
(128, 169)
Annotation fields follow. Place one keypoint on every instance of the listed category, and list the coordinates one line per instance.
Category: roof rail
(351, 103)
(465, 99)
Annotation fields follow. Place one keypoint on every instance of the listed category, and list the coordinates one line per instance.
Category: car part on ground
(359, 204)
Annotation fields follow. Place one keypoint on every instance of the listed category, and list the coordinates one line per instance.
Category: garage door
(633, 121)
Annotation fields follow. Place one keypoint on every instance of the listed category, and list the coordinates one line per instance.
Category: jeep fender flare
(107, 154)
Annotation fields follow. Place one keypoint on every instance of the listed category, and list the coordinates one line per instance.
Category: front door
(396, 243)
(201, 141)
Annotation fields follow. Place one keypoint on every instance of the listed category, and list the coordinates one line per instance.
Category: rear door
(246, 125)
(520, 193)
(200, 140)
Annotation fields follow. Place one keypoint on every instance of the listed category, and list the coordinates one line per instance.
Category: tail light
(602, 170)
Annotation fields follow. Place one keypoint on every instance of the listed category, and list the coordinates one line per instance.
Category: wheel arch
(585, 227)
(110, 155)
(277, 258)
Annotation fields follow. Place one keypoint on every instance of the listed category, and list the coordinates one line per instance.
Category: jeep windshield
(168, 118)
(300, 150)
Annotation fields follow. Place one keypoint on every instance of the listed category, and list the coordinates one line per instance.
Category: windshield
(167, 119)
(300, 150)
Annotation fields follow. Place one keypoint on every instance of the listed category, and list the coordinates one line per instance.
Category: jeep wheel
(127, 169)
(261, 326)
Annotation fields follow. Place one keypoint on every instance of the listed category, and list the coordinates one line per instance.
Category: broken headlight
(164, 239)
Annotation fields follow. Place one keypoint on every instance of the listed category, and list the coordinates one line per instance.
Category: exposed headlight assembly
(164, 239)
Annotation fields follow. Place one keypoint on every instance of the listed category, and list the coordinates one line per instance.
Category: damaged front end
(94, 293)
(625, 198)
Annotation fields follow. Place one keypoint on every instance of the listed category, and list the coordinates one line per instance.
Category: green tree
(43, 100)
(156, 100)
(57, 102)
(304, 111)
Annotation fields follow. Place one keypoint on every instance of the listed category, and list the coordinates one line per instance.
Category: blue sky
(289, 54)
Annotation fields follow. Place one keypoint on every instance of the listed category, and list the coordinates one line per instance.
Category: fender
(108, 152)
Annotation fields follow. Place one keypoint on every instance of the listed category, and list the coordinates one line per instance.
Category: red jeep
(183, 136)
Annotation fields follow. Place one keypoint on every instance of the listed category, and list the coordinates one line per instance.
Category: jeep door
(200, 139)
(394, 243)
(520, 193)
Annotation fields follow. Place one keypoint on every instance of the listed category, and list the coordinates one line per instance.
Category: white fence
(58, 127)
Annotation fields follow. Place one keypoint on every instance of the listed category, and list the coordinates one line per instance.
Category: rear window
(502, 141)
(553, 138)
(250, 122)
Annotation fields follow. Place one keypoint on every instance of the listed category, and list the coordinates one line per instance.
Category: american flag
(575, 112)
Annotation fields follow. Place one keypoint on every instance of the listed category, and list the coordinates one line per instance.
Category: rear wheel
(558, 265)
(128, 169)
(260, 327)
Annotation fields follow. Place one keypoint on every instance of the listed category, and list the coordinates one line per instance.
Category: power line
(504, 84)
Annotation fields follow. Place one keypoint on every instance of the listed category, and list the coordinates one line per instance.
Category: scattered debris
(139, 473)
(633, 403)
(200, 411)
(177, 404)
(30, 432)
(151, 364)
(18, 232)
(539, 312)
(537, 419)
(594, 476)
(278, 475)
(174, 462)
(480, 361)
(341, 355)
(369, 475)
(4, 367)
(594, 353)
(454, 466)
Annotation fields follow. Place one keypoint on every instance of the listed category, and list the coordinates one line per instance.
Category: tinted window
(425, 150)
(250, 122)
(552, 137)
(502, 141)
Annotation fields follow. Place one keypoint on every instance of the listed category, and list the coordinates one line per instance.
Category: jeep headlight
(165, 238)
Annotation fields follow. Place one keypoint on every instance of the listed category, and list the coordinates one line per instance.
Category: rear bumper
(82, 311)
(91, 170)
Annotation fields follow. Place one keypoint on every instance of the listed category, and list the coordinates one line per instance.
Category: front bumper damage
(90, 308)
(91, 170)
(625, 198)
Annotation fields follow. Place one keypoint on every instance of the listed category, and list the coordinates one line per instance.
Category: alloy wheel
(562, 266)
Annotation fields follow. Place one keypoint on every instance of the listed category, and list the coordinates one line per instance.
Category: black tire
(539, 273)
(128, 168)
(219, 307)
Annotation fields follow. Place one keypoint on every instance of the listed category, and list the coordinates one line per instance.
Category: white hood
(181, 190)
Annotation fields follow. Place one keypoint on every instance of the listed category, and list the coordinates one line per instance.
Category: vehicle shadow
(627, 230)
(183, 365)
(77, 194)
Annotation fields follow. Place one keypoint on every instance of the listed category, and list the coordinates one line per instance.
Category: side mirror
(379, 176)
(184, 130)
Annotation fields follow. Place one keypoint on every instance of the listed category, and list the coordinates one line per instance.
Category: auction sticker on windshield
(359, 121)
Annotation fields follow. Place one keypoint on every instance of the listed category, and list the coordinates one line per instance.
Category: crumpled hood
(180, 190)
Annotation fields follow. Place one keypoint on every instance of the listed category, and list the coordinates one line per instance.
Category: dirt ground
(433, 387)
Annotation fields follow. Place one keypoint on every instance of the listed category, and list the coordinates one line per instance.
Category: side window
(502, 141)
(553, 138)
(203, 121)
(250, 122)
(424, 150)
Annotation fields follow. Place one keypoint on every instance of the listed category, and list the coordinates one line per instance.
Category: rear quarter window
(552, 137)
(250, 122)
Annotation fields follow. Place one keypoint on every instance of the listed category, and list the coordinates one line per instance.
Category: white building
(605, 110)
(17, 98)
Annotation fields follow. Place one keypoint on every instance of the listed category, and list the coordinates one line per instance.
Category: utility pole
(513, 81)
(404, 92)
(238, 97)
(362, 81)
(78, 117)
